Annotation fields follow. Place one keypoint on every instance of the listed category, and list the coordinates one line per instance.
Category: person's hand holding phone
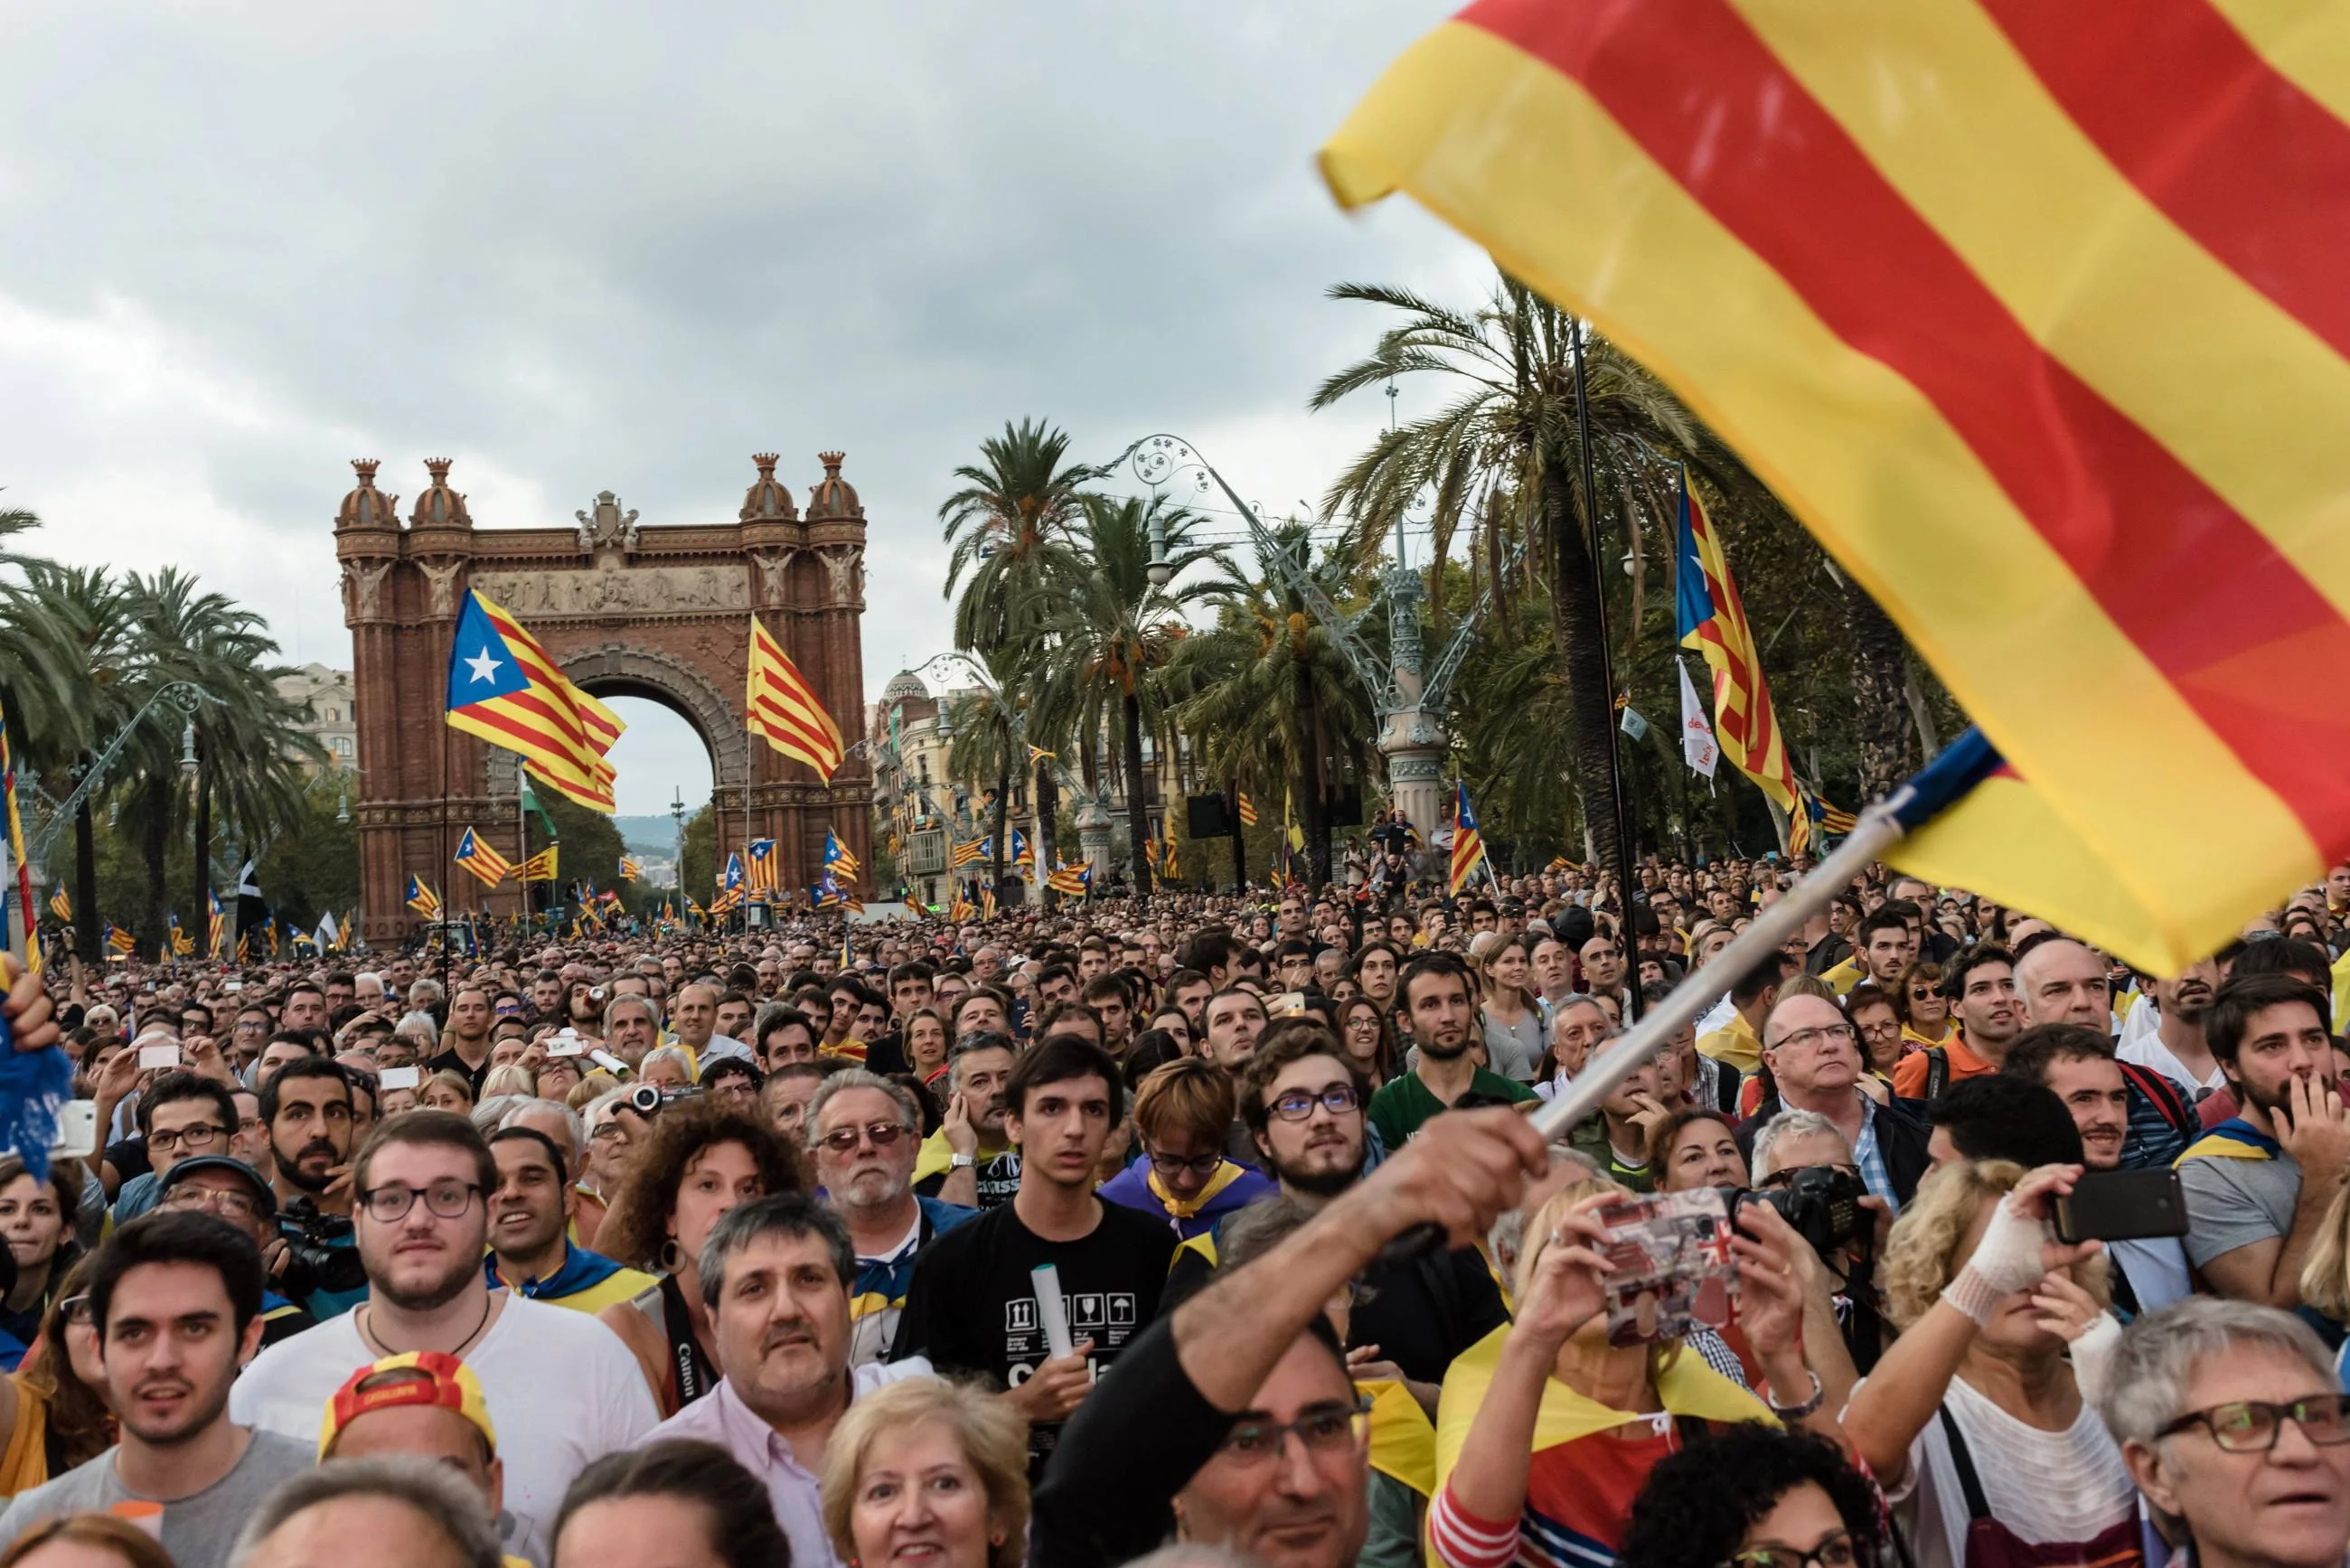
(1569, 1286)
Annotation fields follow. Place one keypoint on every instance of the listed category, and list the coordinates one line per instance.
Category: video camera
(647, 1099)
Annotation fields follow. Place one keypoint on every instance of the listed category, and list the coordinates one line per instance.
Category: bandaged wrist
(1974, 1295)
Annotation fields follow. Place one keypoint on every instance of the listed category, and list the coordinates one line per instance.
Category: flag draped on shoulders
(2058, 372)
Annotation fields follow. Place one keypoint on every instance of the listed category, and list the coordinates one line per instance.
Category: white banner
(1698, 748)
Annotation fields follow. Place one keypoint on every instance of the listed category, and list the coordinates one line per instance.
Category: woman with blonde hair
(1548, 1431)
(928, 1467)
(1974, 1421)
(1512, 1019)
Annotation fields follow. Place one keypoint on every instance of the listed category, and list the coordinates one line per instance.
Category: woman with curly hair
(1974, 1421)
(1755, 1497)
(698, 1161)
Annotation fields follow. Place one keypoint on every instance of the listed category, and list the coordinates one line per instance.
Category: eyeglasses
(242, 1205)
(201, 1134)
(75, 1310)
(1297, 1105)
(1813, 1038)
(1333, 1427)
(840, 1140)
(390, 1204)
(2252, 1426)
(1171, 1166)
(1835, 1552)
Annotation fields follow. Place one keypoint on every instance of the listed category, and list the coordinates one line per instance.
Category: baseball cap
(431, 1377)
(200, 1162)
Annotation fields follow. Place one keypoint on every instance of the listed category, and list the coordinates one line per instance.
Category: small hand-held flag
(837, 856)
(1468, 843)
(503, 688)
(783, 708)
(213, 924)
(421, 897)
(1698, 748)
(485, 864)
(631, 870)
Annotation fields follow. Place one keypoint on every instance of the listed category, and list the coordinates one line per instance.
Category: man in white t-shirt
(2175, 1048)
(561, 1388)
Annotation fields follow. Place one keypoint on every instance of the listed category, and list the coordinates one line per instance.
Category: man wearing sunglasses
(2231, 1420)
(865, 1133)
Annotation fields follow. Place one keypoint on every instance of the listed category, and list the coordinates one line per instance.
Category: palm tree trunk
(1048, 805)
(86, 941)
(156, 840)
(1137, 811)
(1575, 623)
(1880, 708)
(1003, 814)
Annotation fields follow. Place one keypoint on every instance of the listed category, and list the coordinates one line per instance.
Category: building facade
(334, 712)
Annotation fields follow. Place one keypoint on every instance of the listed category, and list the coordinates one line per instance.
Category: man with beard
(2259, 1183)
(175, 1300)
(969, 1161)
(1436, 990)
(775, 1277)
(1302, 1101)
(2178, 1049)
(562, 1389)
(468, 1054)
(307, 1108)
(529, 1210)
(864, 1132)
(973, 1304)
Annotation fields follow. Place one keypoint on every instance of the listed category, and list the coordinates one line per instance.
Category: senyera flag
(2033, 314)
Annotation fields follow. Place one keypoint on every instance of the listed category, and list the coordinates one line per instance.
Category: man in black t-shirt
(972, 1306)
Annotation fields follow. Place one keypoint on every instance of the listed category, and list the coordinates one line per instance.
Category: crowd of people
(1194, 1231)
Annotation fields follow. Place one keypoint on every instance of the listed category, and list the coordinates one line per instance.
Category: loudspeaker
(1207, 816)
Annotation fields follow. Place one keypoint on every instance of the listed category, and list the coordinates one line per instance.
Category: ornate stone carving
(441, 576)
(609, 527)
(775, 575)
(363, 589)
(844, 567)
(614, 590)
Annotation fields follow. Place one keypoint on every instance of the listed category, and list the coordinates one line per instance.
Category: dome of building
(833, 495)
(440, 506)
(368, 507)
(768, 500)
(903, 684)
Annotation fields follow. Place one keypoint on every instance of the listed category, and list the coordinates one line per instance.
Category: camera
(313, 1261)
(1822, 1204)
(646, 1099)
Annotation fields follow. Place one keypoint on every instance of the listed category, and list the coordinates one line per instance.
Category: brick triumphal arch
(661, 612)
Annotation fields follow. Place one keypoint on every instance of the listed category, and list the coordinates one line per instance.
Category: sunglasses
(841, 1140)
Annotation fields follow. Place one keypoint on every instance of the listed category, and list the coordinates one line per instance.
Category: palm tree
(986, 749)
(1009, 523)
(1111, 632)
(1267, 690)
(1510, 431)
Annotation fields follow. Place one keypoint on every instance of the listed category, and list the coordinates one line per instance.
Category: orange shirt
(1910, 1073)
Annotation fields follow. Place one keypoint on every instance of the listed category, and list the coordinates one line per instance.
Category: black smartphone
(2121, 1206)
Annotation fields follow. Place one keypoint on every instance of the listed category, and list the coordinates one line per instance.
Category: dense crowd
(1195, 1231)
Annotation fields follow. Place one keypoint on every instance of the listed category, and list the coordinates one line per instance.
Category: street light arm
(184, 695)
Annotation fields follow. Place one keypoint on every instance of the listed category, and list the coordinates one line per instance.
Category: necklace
(367, 1329)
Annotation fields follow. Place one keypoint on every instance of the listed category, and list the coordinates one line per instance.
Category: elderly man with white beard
(864, 1132)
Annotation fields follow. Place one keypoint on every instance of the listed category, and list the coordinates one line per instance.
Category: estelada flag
(2031, 313)
(504, 687)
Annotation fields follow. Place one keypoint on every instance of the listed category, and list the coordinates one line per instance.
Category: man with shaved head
(2059, 980)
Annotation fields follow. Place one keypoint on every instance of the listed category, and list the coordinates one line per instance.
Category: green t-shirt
(1403, 1105)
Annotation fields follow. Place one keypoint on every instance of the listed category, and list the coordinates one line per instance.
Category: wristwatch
(1797, 1412)
(960, 1162)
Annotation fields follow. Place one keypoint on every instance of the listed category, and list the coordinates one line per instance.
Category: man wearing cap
(429, 1405)
(228, 1188)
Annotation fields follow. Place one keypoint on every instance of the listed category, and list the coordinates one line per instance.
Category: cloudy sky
(583, 247)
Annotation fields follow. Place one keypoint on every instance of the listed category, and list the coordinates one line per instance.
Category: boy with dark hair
(175, 1300)
(974, 1304)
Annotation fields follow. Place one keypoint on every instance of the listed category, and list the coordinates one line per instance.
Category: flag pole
(1617, 783)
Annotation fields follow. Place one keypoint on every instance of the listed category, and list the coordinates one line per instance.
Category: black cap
(194, 1163)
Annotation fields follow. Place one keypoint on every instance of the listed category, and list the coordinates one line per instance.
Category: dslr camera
(312, 1261)
(1821, 1203)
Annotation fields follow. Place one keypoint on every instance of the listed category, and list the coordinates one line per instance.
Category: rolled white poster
(1051, 1311)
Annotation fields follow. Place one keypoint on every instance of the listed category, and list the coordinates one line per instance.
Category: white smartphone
(77, 1130)
(566, 1043)
(165, 1053)
(399, 1078)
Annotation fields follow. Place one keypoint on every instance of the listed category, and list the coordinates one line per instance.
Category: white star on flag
(485, 668)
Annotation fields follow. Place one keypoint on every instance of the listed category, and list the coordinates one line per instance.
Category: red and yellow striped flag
(2032, 314)
(1712, 620)
(783, 707)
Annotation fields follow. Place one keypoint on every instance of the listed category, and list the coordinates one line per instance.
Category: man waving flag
(2033, 315)
(503, 688)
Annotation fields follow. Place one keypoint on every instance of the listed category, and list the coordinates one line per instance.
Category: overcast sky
(581, 247)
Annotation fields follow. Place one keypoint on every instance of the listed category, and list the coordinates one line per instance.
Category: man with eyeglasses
(1814, 1061)
(973, 1304)
(231, 1190)
(560, 1387)
(1184, 1115)
(1303, 1101)
(2231, 1420)
(864, 1132)
(180, 1114)
(248, 1035)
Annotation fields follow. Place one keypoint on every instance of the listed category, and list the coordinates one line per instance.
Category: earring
(670, 1258)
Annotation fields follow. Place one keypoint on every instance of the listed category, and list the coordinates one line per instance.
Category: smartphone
(1669, 1264)
(566, 1043)
(77, 1130)
(399, 1078)
(2121, 1206)
(165, 1053)
(1289, 1005)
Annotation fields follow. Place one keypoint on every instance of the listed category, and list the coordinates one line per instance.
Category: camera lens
(645, 1099)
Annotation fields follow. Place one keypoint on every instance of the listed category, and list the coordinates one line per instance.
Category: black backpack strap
(1937, 1072)
(1969, 1482)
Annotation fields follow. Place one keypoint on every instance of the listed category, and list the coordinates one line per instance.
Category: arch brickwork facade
(626, 609)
